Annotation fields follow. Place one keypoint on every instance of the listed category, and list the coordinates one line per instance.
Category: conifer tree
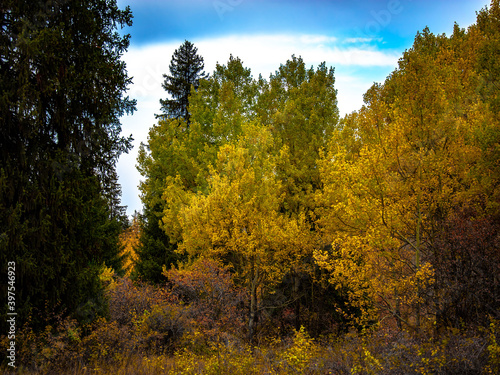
(62, 83)
(155, 250)
(186, 69)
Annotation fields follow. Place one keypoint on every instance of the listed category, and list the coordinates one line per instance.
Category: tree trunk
(296, 285)
(253, 304)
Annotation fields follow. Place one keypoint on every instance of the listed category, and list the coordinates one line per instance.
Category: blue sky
(361, 39)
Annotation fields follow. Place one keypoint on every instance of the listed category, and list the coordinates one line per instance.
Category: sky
(361, 39)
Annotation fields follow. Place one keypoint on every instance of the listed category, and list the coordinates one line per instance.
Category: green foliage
(233, 116)
(178, 150)
(62, 82)
(154, 250)
(300, 108)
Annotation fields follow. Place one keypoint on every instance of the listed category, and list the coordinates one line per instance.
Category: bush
(162, 327)
(107, 342)
(49, 350)
(216, 304)
(299, 355)
(128, 301)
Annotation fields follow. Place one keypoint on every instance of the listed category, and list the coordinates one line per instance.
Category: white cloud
(362, 40)
(263, 54)
(316, 39)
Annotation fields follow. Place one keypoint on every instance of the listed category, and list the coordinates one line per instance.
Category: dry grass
(378, 353)
(149, 333)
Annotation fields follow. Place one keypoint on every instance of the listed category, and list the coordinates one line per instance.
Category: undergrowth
(153, 330)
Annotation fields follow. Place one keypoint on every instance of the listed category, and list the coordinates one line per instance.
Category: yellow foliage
(493, 366)
(129, 240)
(239, 217)
(107, 277)
(300, 354)
(392, 172)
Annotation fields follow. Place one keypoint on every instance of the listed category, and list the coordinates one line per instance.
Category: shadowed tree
(63, 84)
(186, 70)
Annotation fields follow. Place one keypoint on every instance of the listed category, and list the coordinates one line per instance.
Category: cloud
(362, 40)
(263, 54)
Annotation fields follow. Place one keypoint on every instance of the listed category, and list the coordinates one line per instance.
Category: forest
(276, 236)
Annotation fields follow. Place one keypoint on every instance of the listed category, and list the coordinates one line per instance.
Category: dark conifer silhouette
(186, 70)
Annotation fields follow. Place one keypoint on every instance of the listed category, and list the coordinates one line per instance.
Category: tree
(63, 84)
(299, 106)
(395, 172)
(154, 249)
(176, 148)
(179, 159)
(186, 69)
(238, 220)
(129, 240)
(488, 24)
(485, 36)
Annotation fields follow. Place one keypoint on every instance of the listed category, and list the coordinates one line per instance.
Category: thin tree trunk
(296, 285)
(417, 255)
(253, 304)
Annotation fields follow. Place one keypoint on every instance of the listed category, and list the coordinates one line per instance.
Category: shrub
(107, 342)
(162, 327)
(215, 302)
(299, 355)
(128, 301)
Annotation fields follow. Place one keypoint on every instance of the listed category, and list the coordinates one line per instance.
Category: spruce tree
(186, 70)
(63, 84)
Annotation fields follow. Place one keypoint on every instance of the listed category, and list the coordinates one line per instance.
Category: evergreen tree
(62, 83)
(154, 250)
(186, 69)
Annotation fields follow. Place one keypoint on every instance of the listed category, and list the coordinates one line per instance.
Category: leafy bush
(215, 302)
(299, 355)
(129, 301)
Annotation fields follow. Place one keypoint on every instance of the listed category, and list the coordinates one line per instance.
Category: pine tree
(186, 69)
(62, 82)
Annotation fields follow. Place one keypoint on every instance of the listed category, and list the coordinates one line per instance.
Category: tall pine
(63, 84)
(186, 70)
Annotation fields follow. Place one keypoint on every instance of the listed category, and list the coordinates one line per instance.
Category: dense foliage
(62, 83)
(266, 179)
(280, 238)
(154, 248)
